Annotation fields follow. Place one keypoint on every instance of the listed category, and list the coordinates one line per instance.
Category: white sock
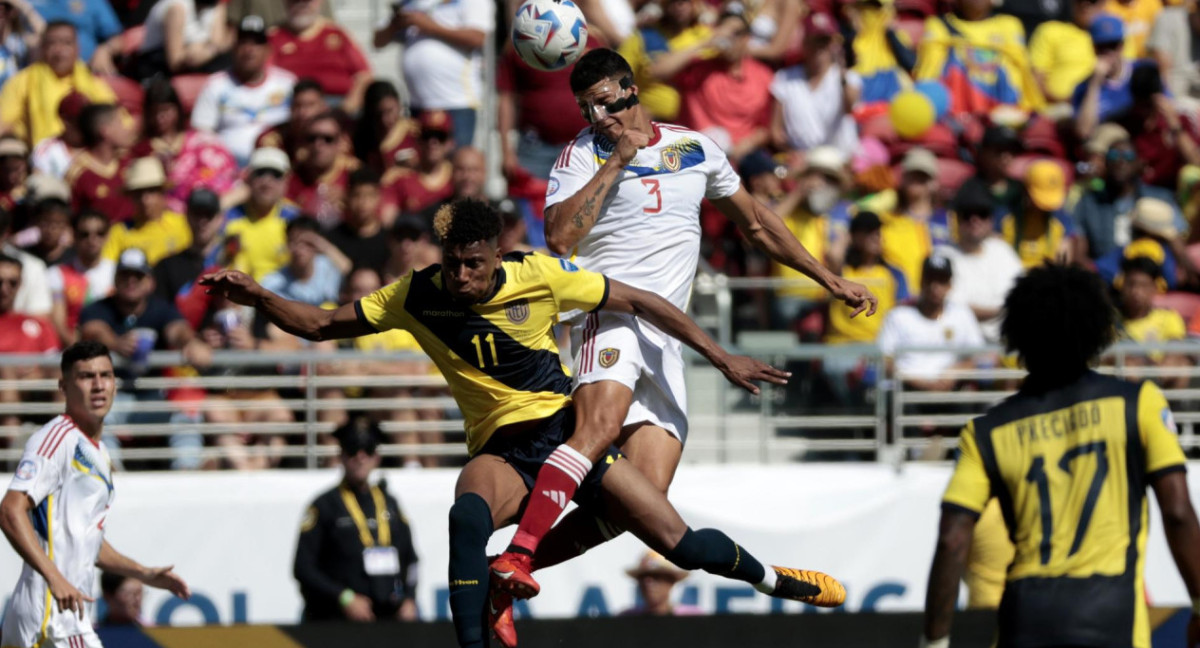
(768, 582)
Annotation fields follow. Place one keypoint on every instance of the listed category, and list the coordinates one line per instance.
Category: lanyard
(360, 519)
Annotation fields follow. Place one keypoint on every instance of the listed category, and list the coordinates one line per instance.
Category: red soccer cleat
(511, 573)
(500, 618)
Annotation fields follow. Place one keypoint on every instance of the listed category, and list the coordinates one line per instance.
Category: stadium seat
(188, 87)
(129, 93)
(1186, 304)
(939, 139)
(952, 173)
(1040, 135)
(879, 127)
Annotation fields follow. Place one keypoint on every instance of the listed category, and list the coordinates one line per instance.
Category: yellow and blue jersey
(498, 355)
(1037, 237)
(1070, 469)
(889, 286)
(261, 244)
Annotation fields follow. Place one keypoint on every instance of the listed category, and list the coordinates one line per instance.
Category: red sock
(556, 483)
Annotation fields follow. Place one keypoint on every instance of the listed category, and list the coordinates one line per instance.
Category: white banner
(233, 537)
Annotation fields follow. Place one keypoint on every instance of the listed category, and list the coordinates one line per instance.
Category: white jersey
(239, 112)
(68, 476)
(648, 232)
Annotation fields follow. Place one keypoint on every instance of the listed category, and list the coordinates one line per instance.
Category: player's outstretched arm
(299, 319)
(767, 231)
(111, 560)
(17, 527)
(949, 563)
(740, 370)
(1182, 529)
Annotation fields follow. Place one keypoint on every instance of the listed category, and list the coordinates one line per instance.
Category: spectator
(21, 28)
(1152, 235)
(307, 45)
(1140, 281)
(1061, 53)
(248, 98)
(1173, 44)
(184, 37)
(95, 174)
(180, 270)
(19, 333)
(1163, 136)
(52, 220)
(191, 158)
(1104, 214)
(930, 322)
(997, 149)
(410, 247)
(336, 581)
(155, 230)
(122, 601)
(360, 236)
(273, 12)
(773, 30)
(679, 28)
(1040, 232)
(907, 240)
(308, 101)
(821, 183)
(432, 181)
(727, 96)
(14, 169)
(917, 195)
(656, 577)
(864, 264)
(985, 267)
(321, 172)
(257, 229)
(96, 26)
(33, 298)
(443, 53)
(313, 273)
(514, 232)
(1138, 17)
(540, 108)
(468, 173)
(814, 100)
(980, 58)
(131, 322)
(53, 155)
(1106, 95)
(384, 136)
(29, 101)
(880, 53)
(83, 278)
(1092, 166)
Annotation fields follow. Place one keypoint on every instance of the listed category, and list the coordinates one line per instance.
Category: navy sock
(470, 528)
(715, 553)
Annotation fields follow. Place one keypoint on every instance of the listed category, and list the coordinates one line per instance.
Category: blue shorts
(527, 452)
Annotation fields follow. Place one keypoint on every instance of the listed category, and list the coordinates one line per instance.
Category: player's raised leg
(487, 496)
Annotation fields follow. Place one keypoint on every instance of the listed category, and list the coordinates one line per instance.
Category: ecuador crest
(517, 311)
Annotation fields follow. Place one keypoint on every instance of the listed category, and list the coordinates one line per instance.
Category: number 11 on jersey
(490, 339)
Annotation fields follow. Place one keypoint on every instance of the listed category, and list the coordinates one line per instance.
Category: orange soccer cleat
(806, 586)
(500, 618)
(511, 573)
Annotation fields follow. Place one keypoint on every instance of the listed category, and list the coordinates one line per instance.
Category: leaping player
(624, 200)
(53, 515)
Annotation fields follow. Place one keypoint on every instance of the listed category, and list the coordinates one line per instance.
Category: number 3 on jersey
(1038, 476)
(652, 185)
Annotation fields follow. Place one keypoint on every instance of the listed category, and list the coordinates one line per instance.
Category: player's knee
(599, 428)
(470, 520)
(687, 553)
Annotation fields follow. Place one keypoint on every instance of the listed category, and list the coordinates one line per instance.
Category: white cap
(269, 157)
(145, 173)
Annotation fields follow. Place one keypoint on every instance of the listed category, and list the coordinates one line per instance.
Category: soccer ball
(549, 34)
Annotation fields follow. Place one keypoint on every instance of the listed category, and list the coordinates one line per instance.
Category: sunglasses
(97, 233)
(980, 215)
(435, 136)
(324, 138)
(267, 172)
(1116, 155)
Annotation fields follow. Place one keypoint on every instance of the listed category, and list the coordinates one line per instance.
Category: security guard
(355, 558)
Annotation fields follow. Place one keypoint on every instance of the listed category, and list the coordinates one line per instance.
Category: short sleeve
(1156, 426)
(969, 486)
(383, 310)
(723, 181)
(575, 166)
(572, 287)
(41, 470)
(205, 114)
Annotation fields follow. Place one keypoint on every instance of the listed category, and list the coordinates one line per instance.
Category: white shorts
(620, 347)
(26, 625)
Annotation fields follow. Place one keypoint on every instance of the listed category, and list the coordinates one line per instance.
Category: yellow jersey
(1138, 16)
(262, 242)
(1063, 54)
(814, 233)
(1035, 237)
(661, 99)
(888, 285)
(159, 238)
(906, 245)
(1070, 468)
(497, 355)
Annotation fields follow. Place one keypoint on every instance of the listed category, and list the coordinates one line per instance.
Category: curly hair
(1059, 320)
(466, 221)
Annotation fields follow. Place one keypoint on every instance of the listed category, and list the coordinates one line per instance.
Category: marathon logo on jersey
(552, 187)
(568, 266)
(518, 311)
(26, 470)
(609, 357)
(671, 159)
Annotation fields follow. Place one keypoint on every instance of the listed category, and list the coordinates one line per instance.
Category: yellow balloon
(912, 113)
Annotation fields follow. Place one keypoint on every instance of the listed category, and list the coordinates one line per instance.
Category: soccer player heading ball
(1069, 457)
(485, 321)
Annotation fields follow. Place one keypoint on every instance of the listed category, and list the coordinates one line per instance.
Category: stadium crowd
(931, 150)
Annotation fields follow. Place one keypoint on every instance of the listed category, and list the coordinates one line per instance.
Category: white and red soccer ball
(549, 34)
